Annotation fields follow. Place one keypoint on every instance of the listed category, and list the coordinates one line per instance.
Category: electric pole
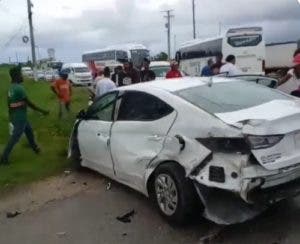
(168, 26)
(194, 20)
(29, 6)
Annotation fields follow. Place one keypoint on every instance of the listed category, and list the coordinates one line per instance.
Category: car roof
(173, 85)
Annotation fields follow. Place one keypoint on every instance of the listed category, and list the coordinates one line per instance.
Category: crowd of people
(128, 75)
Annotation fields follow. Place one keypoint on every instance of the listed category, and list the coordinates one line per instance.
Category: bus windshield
(138, 55)
(244, 40)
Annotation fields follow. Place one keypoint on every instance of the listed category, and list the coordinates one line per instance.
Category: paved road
(90, 218)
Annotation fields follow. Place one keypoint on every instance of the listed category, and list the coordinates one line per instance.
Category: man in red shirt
(174, 72)
(63, 89)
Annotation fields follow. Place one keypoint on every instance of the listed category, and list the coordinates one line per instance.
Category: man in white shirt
(105, 84)
(230, 67)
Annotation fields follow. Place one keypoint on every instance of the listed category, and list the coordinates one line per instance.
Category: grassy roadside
(51, 134)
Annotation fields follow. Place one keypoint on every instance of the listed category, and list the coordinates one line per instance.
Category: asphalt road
(90, 218)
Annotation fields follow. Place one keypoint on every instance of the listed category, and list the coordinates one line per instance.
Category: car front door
(138, 135)
(94, 135)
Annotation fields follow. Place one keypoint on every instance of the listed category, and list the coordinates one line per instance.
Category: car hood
(275, 117)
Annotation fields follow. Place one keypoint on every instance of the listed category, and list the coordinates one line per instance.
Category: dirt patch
(35, 195)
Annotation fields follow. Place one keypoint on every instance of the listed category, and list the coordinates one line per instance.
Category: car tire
(177, 189)
(76, 155)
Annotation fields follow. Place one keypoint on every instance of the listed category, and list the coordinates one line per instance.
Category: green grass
(51, 134)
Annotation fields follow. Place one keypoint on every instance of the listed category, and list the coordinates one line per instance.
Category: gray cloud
(131, 21)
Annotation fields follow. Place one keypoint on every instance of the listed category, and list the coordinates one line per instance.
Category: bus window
(244, 41)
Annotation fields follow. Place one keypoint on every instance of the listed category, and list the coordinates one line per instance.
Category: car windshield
(160, 71)
(229, 96)
(81, 70)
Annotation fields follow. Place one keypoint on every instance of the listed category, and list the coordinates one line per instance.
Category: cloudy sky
(75, 26)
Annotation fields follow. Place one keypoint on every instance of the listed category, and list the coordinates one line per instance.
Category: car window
(103, 109)
(160, 71)
(230, 96)
(140, 106)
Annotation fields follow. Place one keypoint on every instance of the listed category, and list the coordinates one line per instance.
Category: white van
(79, 74)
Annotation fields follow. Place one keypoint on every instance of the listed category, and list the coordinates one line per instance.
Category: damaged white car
(231, 145)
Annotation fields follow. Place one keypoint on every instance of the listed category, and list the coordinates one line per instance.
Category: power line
(168, 26)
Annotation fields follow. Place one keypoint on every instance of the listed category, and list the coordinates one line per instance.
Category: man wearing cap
(291, 81)
(17, 107)
(174, 72)
(63, 90)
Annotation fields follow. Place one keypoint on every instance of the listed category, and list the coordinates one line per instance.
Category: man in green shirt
(17, 107)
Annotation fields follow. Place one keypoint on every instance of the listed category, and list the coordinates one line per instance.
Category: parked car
(79, 74)
(50, 75)
(227, 147)
(40, 75)
(27, 71)
(160, 68)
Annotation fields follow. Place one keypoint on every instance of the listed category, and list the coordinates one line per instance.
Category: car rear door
(138, 135)
(94, 135)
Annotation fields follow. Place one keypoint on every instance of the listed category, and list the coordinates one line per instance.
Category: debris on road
(84, 183)
(61, 234)
(67, 172)
(126, 218)
(108, 186)
(10, 215)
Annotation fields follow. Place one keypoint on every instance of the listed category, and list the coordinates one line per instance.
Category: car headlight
(261, 142)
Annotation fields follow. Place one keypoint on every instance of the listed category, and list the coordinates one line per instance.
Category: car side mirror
(82, 115)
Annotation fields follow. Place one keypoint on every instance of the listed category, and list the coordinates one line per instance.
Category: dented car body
(238, 144)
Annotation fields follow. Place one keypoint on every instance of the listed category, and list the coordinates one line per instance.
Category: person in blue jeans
(17, 108)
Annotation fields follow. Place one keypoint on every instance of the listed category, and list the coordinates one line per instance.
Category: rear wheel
(173, 193)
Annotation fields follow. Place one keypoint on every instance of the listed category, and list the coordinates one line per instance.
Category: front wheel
(174, 194)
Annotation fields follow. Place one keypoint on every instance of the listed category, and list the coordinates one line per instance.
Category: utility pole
(32, 42)
(194, 20)
(168, 26)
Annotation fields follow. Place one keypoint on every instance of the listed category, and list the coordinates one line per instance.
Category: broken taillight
(227, 145)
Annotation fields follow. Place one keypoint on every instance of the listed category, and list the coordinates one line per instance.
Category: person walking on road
(174, 72)
(230, 67)
(104, 85)
(63, 90)
(17, 108)
(207, 70)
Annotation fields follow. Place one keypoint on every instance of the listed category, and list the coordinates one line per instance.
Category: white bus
(113, 56)
(246, 44)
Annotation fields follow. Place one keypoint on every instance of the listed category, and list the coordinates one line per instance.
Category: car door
(138, 135)
(94, 135)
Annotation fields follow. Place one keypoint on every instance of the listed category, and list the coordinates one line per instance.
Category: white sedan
(227, 147)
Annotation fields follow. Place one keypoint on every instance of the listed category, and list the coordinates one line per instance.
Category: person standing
(129, 75)
(174, 72)
(115, 75)
(230, 67)
(17, 108)
(147, 74)
(291, 81)
(207, 70)
(104, 85)
(63, 90)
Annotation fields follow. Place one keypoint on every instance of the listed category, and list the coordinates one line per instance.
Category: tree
(162, 56)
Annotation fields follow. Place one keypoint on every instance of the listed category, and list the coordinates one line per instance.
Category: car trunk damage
(234, 180)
